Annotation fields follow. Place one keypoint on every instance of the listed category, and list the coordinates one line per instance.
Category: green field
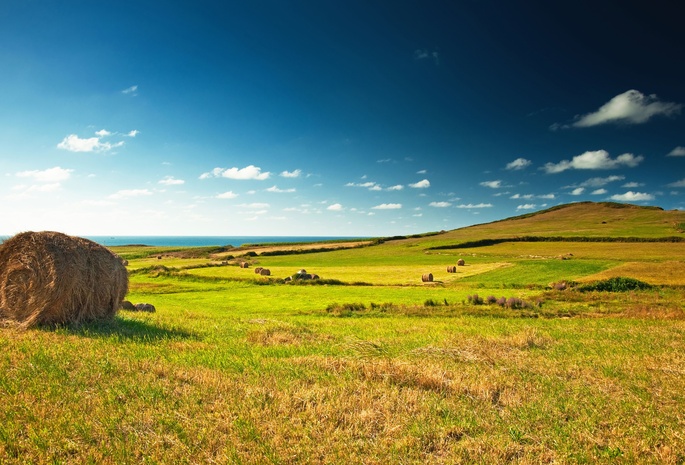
(369, 364)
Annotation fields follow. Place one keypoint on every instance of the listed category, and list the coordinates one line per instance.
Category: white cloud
(103, 133)
(335, 207)
(128, 193)
(74, 143)
(398, 187)
(632, 185)
(279, 191)
(291, 174)
(677, 152)
(594, 160)
(527, 206)
(388, 206)
(519, 196)
(599, 192)
(599, 182)
(680, 183)
(478, 205)
(631, 196)
(577, 191)
(368, 185)
(440, 204)
(171, 181)
(518, 164)
(250, 172)
(131, 90)
(227, 195)
(257, 205)
(424, 183)
(631, 107)
(492, 184)
(56, 174)
(133, 133)
(547, 196)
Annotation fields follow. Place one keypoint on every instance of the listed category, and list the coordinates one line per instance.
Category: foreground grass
(373, 366)
(234, 372)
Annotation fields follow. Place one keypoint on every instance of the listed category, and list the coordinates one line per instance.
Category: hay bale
(258, 270)
(265, 272)
(315, 276)
(145, 308)
(427, 278)
(244, 265)
(51, 278)
(451, 269)
(127, 305)
(461, 262)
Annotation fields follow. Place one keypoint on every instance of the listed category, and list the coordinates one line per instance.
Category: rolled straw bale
(145, 308)
(244, 265)
(51, 278)
(258, 270)
(461, 262)
(451, 269)
(427, 278)
(127, 305)
(265, 272)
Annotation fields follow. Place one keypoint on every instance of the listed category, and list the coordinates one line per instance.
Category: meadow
(369, 364)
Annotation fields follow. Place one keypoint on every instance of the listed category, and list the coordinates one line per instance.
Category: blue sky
(354, 118)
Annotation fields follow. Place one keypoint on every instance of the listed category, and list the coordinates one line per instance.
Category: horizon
(349, 119)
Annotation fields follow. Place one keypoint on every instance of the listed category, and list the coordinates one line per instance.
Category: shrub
(475, 299)
(617, 284)
(491, 299)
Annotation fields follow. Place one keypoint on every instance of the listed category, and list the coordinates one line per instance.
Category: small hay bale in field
(461, 262)
(315, 276)
(427, 278)
(258, 270)
(127, 305)
(145, 308)
(244, 265)
(451, 269)
(124, 262)
(49, 278)
(265, 272)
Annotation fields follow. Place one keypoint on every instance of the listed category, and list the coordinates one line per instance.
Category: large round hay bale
(265, 272)
(451, 269)
(258, 270)
(461, 262)
(51, 278)
(427, 278)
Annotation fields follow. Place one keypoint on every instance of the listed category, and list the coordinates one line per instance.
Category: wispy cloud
(599, 192)
(424, 54)
(227, 195)
(74, 143)
(518, 164)
(291, 174)
(171, 181)
(129, 193)
(388, 206)
(250, 172)
(594, 160)
(477, 205)
(440, 204)
(680, 183)
(630, 107)
(631, 196)
(677, 152)
(133, 90)
(492, 184)
(52, 175)
(599, 182)
(423, 184)
(577, 191)
(280, 191)
(519, 196)
(133, 133)
(335, 207)
(527, 206)
(398, 187)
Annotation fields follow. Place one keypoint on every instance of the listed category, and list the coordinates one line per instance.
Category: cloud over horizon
(594, 160)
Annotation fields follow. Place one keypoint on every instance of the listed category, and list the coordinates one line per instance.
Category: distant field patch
(663, 273)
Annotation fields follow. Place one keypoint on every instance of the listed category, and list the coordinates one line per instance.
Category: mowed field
(369, 364)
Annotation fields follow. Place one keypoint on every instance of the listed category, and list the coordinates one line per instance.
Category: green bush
(617, 284)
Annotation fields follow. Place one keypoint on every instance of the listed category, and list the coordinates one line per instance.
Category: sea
(204, 241)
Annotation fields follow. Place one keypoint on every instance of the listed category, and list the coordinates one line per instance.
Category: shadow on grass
(125, 329)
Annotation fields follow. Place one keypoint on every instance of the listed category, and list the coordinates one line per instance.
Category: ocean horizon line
(205, 241)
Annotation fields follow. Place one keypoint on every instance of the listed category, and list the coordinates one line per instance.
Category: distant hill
(579, 220)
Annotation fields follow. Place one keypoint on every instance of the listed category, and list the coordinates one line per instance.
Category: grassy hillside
(370, 364)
